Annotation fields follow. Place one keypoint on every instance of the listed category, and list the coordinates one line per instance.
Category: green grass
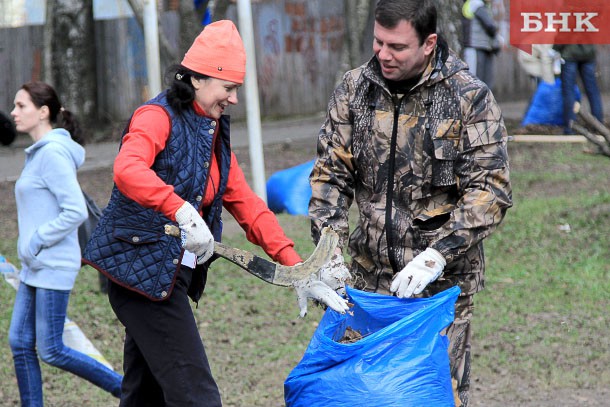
(544, 314)
(540, 325)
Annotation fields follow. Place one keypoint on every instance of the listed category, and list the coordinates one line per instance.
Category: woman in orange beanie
(175, 166)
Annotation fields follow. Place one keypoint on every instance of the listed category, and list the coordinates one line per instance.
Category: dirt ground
(98, 184)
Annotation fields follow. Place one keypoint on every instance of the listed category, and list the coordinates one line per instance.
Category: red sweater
(148, 133)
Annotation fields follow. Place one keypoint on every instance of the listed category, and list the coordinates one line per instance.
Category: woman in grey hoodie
(50, 207)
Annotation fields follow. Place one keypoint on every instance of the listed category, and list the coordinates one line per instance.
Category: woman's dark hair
(181, 92)
(42, 94)
(420, 13)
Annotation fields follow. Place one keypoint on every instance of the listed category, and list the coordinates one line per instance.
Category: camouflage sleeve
(333, 173)
(482, 172)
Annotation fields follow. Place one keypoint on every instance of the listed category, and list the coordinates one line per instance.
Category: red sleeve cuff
(288, 256)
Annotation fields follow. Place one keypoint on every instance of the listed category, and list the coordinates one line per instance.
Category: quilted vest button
(211, 131)
(213, 124)
(199, 198)
(206, 164)
(163, 294)
(135, 239)
(175, 261)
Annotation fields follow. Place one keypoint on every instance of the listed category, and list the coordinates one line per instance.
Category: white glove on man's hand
(421, 271)
(317, 290)
(196, 236)
(335, 275)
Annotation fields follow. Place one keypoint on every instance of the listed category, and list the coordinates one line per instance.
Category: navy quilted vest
(129, 244)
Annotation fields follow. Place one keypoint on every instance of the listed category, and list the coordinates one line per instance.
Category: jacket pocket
(445, 141)
(435, 159)
(487, 145)
(136, 236)
(429, 224)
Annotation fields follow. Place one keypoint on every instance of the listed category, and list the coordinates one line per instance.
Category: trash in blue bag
(401, 359)
(546, 107)
(289, 190)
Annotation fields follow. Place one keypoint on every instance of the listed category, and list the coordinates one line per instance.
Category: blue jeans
(37, 324)
(586, 70)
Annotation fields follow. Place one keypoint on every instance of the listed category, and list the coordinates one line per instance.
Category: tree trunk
(449, 24)
(190, 23)
(358, 39)
(220, 9)
(70, 62)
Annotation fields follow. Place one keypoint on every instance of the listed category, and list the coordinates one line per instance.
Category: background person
(481, 39)
(175, 166)
(50, 207)
(579, 60)
(543, 64)
(7, 130)
(420, 145)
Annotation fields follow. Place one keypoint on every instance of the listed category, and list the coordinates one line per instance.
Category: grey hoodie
(50, 207)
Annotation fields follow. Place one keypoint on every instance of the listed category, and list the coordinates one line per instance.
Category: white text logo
(559, 22)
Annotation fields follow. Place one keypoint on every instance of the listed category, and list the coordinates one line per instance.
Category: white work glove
(335, 275)
(421, 271)
(195, 234)
(317, 290)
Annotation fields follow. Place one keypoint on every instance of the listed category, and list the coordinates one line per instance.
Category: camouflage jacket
(449, 177)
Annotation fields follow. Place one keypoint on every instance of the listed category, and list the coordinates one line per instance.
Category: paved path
(101, 155)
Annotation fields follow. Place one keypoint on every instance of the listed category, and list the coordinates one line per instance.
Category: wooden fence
(298, 45)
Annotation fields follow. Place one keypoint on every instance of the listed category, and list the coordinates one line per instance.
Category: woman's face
(214, 95)
(26, 115)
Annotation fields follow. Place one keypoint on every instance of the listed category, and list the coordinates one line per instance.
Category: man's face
(398, 51)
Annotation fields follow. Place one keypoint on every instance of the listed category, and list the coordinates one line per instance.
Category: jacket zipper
(390, 194)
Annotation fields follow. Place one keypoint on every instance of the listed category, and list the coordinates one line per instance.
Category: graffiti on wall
(308, 31)
(296, 41)
(271, 50)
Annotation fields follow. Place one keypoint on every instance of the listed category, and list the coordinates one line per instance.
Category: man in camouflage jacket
(420, 144)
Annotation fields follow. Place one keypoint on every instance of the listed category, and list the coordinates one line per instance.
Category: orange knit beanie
(218, 52)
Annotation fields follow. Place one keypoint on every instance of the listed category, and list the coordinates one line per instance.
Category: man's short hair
(420, 13)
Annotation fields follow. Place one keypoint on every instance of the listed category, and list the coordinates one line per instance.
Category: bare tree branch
(603, 147)
(589, 119)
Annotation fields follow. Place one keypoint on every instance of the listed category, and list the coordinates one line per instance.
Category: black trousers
(164, 359)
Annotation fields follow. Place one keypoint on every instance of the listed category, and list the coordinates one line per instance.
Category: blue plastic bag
(546, 107)
(401, 360)
(289, 190)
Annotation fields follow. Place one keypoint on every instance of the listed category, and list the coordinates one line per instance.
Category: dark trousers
(569, 72)
(164, 359)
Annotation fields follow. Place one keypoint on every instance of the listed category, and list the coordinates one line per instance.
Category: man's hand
(335, 275)
(421, 271)
(195, 234)
(317, 290)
